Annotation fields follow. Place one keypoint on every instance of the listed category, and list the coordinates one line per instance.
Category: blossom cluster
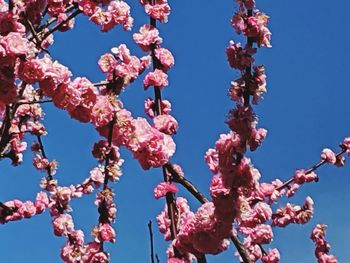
(322, 246)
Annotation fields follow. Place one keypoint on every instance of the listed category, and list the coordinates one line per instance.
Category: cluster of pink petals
(44, 165)
(293, 214)
(101, 149)
(121, 67)
(165, 123)
(116, 12)
(165, 58)
(200, 232)
(163, 188)
(104, 232)
(157, 78)
(329, 156)
(254, 27)
(153, 148)
(322, 246)
(150, 107)
(159, 10)
(301, 176)
(147, 36)
(238, 57)
(272, 257)
(242, 120)
(346, 145)
(17, 210)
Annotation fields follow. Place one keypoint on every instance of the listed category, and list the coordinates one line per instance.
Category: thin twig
(186, 183)
(310, 170)
(241, 249)
(33, 102)
(108, 157)
(59, 25)
(151, 240)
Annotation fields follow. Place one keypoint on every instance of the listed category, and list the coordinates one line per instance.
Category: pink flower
(40, 163)
(238, 57)
(159, 11)
(165, 58)
(329, 156)
(261, 234)
(257, 137)
(300, 177)
(97, 175)
(30, 71)
(66, 97)
(42, 201)
(346, 145)
(15, 44)
(27, 210)
(104, 232)
(163, 188)
(107, 63)
(120, 12)
(150, 107)
(156, 78)
(148, 36)
(322, 246)
(100, 257)
(212, 159)
(165, 123)
(292, 189)
(62, 224)
(272, 257)
(102, 111)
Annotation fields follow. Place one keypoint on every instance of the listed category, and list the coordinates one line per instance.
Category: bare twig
(151, 240)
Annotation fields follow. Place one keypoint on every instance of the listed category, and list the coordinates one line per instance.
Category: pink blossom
(147, 36)
(238, 57)
(100, 257)
(42, 201)
(150, 107)
(292, 189)
(165, 123)
(238, 22)
(66, 97)
(120, 12)
(163, 188)
(322, 246)
(97, 175)
(212, 159)
(257, 137)
(329, 156)
(165, 58)
(102, 111)
(30, 71)
(159, 11)
(261, 234)
(40, 163)
(62, 224)
(300, 176)
(107, 63)
(104, 232)
(156, 78)
(346, 145)
(15, 44)
(27, 210)
(272, 257)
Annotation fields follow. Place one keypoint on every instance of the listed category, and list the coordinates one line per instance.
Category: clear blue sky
(306, 109)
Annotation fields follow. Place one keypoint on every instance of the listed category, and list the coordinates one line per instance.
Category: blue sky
(305, 110)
